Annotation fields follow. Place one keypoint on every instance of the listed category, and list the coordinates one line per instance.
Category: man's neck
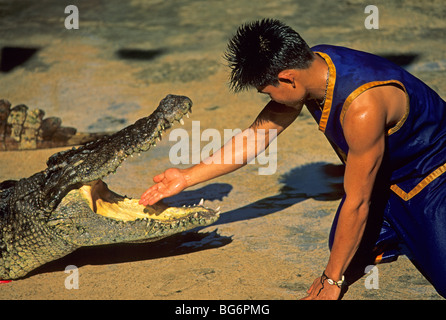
(315, 79)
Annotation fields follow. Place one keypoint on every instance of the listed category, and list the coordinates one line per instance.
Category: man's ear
(288, 77)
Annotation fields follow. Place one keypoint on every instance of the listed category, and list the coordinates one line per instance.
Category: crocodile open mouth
(107, 203)
(94, 161)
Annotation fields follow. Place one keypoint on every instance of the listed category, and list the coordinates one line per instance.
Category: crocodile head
(107, 217)
(68, 206)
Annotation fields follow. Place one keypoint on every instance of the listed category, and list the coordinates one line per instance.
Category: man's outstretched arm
(173, 180)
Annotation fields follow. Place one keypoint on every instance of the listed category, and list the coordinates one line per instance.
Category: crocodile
(67, 206)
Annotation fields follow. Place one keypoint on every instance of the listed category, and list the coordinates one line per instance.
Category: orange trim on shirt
(378, 258)
(367, 86)
(330, 88)
(419, 187)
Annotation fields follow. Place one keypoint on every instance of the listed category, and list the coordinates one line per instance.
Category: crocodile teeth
(201, 202)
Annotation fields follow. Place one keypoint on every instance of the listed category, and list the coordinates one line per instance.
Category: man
(387, 126)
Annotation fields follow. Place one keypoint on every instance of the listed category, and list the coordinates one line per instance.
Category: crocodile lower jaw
(107, 203)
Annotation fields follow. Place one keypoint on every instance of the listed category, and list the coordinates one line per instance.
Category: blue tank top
(416, 145)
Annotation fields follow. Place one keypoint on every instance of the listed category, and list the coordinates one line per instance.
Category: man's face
(287, 93)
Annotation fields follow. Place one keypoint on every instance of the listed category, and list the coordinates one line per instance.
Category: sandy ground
(271, 241)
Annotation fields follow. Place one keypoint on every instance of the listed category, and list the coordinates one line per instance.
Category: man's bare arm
(365, 134)
(274, 116)
(364, 130)
(173, 180)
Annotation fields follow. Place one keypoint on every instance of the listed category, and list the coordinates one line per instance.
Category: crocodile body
(67, 206)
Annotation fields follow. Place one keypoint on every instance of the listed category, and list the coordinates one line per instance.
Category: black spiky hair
(260, 50)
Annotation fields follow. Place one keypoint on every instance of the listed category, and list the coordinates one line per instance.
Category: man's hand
(323, 291)
(169, 183)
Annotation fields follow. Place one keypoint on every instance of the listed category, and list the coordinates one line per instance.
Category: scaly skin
(67, 206)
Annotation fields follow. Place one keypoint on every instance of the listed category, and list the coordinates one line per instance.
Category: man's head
(261, 50)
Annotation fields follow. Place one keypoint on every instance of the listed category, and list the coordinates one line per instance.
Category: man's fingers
(166, 184)
(150, 199)
(144, 200)
(154, 199)
(311, 294)
(148, 195)
(158, 178)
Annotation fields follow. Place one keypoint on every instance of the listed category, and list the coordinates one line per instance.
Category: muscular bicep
(364, 130)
